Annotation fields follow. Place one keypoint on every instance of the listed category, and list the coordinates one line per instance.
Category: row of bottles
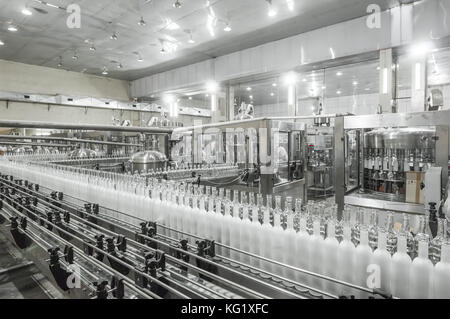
(309, 237)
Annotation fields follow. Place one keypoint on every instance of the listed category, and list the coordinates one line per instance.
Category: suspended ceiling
(43, 37)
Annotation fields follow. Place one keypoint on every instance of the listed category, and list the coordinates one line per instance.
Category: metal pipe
(87, 127)
(66, 139)
(36, 144)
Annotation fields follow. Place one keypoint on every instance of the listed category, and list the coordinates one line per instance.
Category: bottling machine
(391, 161)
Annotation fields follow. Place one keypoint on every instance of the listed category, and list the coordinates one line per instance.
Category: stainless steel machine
(271, 153)
(386, 161)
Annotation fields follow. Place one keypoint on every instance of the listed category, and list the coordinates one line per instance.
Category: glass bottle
(406, 230)
(391, 235)
(436, 242)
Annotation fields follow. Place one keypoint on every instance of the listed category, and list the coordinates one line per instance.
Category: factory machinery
(178, 229)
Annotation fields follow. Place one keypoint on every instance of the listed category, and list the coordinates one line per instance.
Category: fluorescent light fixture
(212, 86)
(333, 55)
(12, 28)
(27, 12)
(211, 21)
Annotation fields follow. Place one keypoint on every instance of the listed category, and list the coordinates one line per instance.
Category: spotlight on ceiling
(227, 27)
(105, 71)
(177, 4)
(272, 10)
(120, 66)
(142, 22)
(27, 12)
(92, 48)
(114, 36)
(290, 5)
(12, 28)
(140, 59)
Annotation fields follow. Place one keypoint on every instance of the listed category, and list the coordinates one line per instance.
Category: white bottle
(290, 245)
(330, 257)
(315, 247)
(382, 259)
(346, 255)
(235, 230)
(245, 229)
(421, 273)
(255, 233)
(226, 224)
(441, 275)
(277, 240)
(363, 256)
(265, 239)
(302, 252)
(400, 269)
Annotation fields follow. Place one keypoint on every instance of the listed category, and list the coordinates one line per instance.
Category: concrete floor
(20, 278)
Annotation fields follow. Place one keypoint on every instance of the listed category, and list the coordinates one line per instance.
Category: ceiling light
(163, 51)
(12, 28)
(142, 22)
(272, 11)
(152, 96)
(251, 97)
(338, 92)
(290, 5)
(114, 36)
(27, 12)
(420, 49)
(272, 94)
(120, 66)
(191, 41)
(290, 78)
(367, 89)
(177, 4)
(207, 95)
(212, 86)
(324, 87)
(274, 84)
(249, 89)
(2, 43)
(105, 71)
(92, 48)
(304, 80)
(339, 73)
(355, 83)
(227, 27)
(75, 56)
(60, 65)
(140, 59)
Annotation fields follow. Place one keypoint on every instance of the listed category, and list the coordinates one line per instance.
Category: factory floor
(20, 278)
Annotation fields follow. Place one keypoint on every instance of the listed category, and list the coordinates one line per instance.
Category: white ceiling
(44, 37)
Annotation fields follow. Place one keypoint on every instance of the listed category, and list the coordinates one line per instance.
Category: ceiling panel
(44, 36)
